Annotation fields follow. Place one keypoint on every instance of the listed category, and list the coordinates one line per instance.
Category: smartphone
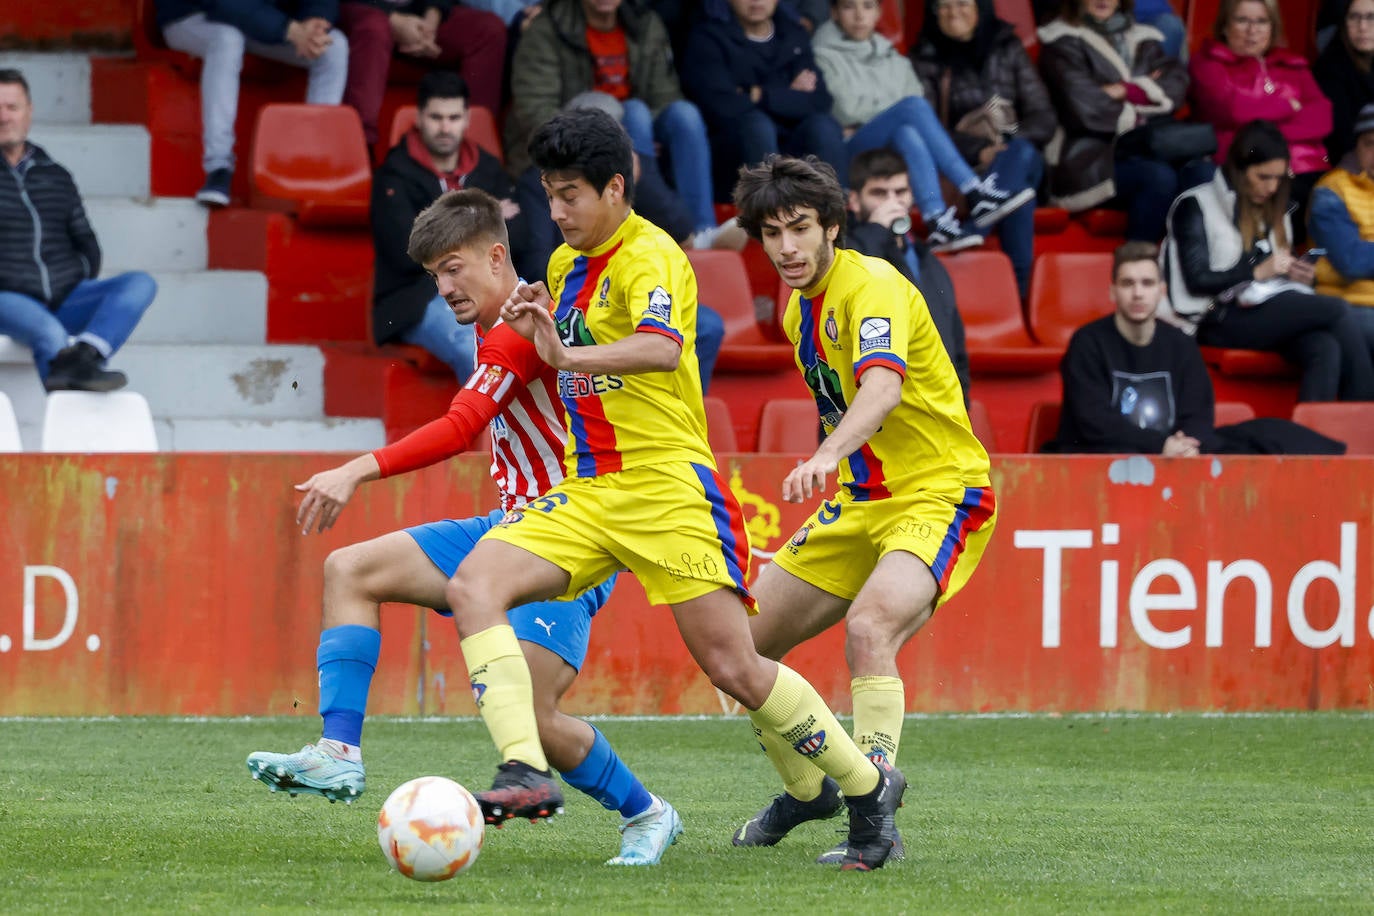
(1314, 255)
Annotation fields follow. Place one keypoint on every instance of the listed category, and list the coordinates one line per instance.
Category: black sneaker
(872, 833)
(80, 367)
(215, 191)
(775, 821)
(835, 855)
(948, 234)
(519, 790)
(988, 202)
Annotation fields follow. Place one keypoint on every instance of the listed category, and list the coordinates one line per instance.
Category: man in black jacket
(50, 300)
(433, 158)
(880, 203)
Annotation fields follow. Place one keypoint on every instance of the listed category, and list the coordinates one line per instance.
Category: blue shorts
(562, 627)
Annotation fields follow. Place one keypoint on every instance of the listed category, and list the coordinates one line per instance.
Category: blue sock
(606, 778)
(346, 658)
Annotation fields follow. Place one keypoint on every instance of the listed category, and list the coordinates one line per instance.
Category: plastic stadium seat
(986, 294)
(720, 429)
(9, 426)
(982, 425)
(1248, 363)
(789, 426)
(1228, 412)
(81, 421)
(1044, 424)
(312, 160)
(1351, 422)
(723, 284)
(1021, 15)
(1068, 290)
(890, 24)
(481, 128)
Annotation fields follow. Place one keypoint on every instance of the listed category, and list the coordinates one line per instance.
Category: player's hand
(1181, 445)
(509, 208)
(1115, 91)
(808, 478)
(527, 312)
(804, 81)
(325, 496)
(886, 213)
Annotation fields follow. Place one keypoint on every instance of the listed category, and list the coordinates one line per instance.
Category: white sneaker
(988, 202)
(948, 234)
(645, 837)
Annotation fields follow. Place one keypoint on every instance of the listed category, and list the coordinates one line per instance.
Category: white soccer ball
(431, 829)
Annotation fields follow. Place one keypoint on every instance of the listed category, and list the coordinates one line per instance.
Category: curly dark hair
(785, 184)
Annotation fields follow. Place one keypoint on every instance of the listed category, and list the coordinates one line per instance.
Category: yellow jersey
(637, 282)
(861, 314)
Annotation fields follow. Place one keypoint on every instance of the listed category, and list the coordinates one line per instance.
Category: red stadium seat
(311, 160)
(1044, 424)
(982, 425)
(890, 24)
(723, 284)
(1351, 422)
(1068, 290)
(1248, 363)
(1022, 18)
(481, 129)
(986, 294)
(789, 426)
(1228, 412)
(720, 429)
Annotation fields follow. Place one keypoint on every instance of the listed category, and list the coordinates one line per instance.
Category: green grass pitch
(1147, 814)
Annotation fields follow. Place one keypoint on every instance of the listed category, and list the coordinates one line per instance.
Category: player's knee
(344, 567)
(738, 678)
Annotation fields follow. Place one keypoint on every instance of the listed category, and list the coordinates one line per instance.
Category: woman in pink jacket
(1243, 73)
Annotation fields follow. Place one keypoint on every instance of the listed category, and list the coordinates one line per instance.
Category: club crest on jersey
(811, 745)
(490, 379)
(832, 328)
(605, 292)
(875, 334)
(660, 304)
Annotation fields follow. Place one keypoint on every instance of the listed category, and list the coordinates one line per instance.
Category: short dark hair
(455, 220)
(441, 84)
(1131, 252)
(785, 184)
(584, 143)
(880, 162)
(1071, 11)
(11, 77)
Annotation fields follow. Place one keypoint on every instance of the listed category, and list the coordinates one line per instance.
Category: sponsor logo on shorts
(687, 566)
(660, 304)
(811, 745)
(875, 334)
(800, 537)
(828, 513)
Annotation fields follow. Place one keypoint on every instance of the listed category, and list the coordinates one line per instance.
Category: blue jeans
(439, 332)
(102, 313)
(710, 335)
(755, 135)
(1019, 166)
(682, 132)
(1171, 27)
(911, 127)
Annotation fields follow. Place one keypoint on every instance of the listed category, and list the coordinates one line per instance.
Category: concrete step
(107, 160)
(206, 307)
(219, 382)
(19, 380)
(333, 434)
(59, 84)
(161, 234)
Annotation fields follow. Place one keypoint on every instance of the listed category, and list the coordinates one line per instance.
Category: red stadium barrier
(178, 584)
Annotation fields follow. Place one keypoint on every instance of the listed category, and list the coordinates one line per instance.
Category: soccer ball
(431, 829)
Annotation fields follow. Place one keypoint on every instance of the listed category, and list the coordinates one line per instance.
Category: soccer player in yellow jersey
(641, 492)
(913, 510)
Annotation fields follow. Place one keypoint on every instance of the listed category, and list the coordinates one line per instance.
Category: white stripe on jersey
(527, 437)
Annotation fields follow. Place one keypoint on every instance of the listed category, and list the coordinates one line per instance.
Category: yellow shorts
(946, 528)
(675, 525)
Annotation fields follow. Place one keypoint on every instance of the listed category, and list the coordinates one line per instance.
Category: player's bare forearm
(639, 353)
(879, 392)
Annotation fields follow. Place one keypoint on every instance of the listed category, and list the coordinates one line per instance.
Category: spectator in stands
(50, 299)
(620, 50)
(432, 158)
(439, 33)
(1342, 222)
(1134, 384)
(1109, 78)
(1235, 282)
(878, 101)
(1243, 72)
(880, 226)
(991, 99)
(1157, 13)
(1345, 72)
(751, 71)
(297, 32)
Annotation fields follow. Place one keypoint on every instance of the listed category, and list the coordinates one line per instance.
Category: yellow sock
(505, 697)
(879, 705)
(801, 719)
(800, 777)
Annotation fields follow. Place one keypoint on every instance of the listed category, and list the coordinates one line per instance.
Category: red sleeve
(506, 362)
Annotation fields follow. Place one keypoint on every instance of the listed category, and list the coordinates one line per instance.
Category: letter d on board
(31, 574)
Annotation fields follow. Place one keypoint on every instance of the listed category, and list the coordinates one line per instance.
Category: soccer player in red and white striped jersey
(513, 393)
